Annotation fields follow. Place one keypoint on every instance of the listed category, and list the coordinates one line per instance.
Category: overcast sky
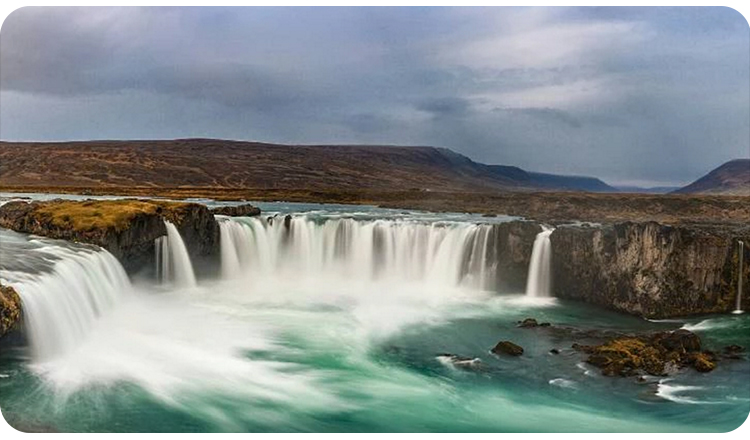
(645, 96)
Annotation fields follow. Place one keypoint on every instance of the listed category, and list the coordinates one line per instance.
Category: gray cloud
(445, 107)
(548, 114)
(656, 95)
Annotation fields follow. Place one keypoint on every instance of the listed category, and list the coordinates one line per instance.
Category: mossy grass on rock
(656, 354)
(10, 310)
(127, 228)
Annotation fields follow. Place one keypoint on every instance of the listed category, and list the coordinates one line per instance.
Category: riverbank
(550, 207)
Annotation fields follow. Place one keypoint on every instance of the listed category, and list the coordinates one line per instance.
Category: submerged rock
(531, 323)
(509, 348)
(10, 310)
(246, 210)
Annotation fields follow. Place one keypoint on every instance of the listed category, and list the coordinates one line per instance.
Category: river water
(339, 321)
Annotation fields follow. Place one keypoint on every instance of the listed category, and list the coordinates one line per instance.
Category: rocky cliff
(650, 269)
(126, 228)
(511, 252)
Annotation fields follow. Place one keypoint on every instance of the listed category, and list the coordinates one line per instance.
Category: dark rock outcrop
(246, 210)
(126, 228)
(532, 323)
(509, 253)
(650, 269)
(507, 347)
(657, 354)
(10, 310)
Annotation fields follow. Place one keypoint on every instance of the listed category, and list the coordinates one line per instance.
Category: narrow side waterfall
(173, 264)
(539, 281)
(61, 306)
(445, 254)
(738, 305)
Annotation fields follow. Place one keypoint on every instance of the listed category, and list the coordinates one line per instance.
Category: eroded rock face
(246, 210)
(10, 310)
(130, 238)
(511, 253)
(650, 269)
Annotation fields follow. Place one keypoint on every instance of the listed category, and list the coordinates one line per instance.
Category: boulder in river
(657, 354)
(507, 347)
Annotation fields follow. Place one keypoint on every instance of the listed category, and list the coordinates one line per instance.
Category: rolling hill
(731, 178)
(233, 164)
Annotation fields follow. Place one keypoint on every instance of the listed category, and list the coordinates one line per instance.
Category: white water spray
(61, 306)
(449, 254)
(539, 281)
(173, 264)
(738, 305)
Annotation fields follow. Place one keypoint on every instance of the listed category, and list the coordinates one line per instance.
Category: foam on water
(562, 383)
(708, 324)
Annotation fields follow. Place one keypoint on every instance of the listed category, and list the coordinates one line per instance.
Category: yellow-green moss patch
(100, 214)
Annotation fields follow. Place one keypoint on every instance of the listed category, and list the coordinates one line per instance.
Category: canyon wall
(649, 269)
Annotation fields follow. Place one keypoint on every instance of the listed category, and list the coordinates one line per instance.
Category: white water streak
(451, 254)
(61, 307)
(173, 264)
(539, 281)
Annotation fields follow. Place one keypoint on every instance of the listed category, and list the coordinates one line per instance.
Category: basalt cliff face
(650, 269)
(126, 228)
(511, 253)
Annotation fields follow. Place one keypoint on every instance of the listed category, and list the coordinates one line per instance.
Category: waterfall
(61, 305)
(738, 305)
(173, 264)
(539, 281)
(445, 254)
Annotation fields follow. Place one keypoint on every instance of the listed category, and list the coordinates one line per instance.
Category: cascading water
(539, 281)
(173, 264)
(449, 254)
(741, 265)
(62, 301)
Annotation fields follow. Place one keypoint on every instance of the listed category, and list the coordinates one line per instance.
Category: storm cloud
(648, 96)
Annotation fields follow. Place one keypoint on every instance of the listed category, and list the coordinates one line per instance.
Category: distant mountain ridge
(238, 164)
(732, 177)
